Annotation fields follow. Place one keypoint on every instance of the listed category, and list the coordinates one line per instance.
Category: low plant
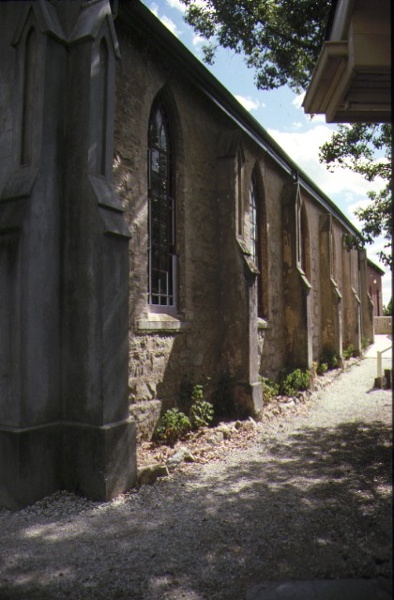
(270, 389)
(348, 352)
(296, 381)
(365, 342)
(201, 411)
(173, 425)
(201, 414)
(197, 393)
(322, 368)
(330, 359)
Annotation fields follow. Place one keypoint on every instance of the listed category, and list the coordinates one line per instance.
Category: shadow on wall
(193, 361)
(316, 506)
(177, 366)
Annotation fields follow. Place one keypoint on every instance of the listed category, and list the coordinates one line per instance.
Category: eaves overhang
(351, 82)
(137, 17)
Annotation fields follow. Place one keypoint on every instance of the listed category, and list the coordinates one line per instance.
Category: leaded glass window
(161, 229)
(254, 241)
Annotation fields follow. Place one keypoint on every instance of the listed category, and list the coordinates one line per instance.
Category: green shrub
(365, 342)
(388, 310)
(270, 389)
(201, 411)
(322, 368)
(201, 414)
(330, 359)
(348, 352)
(197, 393)
(173, 425)
(294, 382)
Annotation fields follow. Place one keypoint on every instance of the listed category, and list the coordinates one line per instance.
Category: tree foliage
(388, 310)
(280, 39)
(365, 148)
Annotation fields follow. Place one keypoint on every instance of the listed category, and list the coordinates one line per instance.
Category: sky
(281, 114)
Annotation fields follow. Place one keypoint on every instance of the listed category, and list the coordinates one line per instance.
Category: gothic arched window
(305, 243)
(258, 244)
(161, 212)
(253, 220)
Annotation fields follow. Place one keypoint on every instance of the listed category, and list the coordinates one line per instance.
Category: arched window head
(161, 212)
(258, 245)
(302, 235)
(158, 130)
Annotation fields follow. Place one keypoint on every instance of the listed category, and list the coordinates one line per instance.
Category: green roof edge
(375, 266)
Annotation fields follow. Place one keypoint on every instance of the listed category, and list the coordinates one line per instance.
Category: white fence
(382, 325)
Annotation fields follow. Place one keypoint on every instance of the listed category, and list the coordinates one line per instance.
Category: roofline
(136, 15)
(375, 267)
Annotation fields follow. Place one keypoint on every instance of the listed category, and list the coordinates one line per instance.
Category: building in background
(375, 275)
(351, 82)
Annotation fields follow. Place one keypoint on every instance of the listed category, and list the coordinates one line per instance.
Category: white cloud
(197, 40)
(297, 103)
(303, 148)
(386, 286)
(154, 8)
(376, 247)
(297, 125)
(349, 197)
(177, 4)
(317, 118)
(170, 25)
(249, 103)
(298, 100)
(352, 208)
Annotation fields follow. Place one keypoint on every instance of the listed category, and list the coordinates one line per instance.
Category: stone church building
(151, 233)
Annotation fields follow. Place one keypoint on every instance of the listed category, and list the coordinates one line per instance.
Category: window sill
(262, 323)
(335, 288)
(161, 322)
(304, 279)
(248, 261)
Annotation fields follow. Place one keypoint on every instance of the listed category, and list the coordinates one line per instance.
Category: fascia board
(332, 60)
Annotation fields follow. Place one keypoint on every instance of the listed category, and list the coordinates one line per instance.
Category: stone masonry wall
(187, 344)
(160, 359)
(273, 353)
(165, 349)
(314, 212)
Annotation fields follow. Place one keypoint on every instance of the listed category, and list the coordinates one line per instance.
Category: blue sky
(281, 114)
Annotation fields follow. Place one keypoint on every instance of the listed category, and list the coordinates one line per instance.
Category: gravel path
(311, 499)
